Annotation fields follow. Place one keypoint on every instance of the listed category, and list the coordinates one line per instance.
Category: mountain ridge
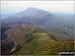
(37, 32)
(30, 38)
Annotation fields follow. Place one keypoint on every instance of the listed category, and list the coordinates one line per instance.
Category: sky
(12, 7)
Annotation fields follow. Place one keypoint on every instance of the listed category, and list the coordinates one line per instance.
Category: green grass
(42, 44)
(36, 41)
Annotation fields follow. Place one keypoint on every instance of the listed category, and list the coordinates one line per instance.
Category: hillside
(30, 16)
(21, 33)
(45, 48)
(38, 32)
(33, 40)
(61, 24)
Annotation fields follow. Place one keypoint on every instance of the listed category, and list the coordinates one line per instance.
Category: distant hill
(58, 23)
(30, 16)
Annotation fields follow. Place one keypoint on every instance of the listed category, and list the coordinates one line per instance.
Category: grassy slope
(34, 40)
(60, 32)
(39, 42)
(45, 47)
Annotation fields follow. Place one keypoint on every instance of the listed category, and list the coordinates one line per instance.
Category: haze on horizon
(11, 7)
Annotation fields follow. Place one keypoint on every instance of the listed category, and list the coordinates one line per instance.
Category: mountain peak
(31, 9)
(36, 11)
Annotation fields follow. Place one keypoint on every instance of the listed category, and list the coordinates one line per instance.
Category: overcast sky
(10, 7)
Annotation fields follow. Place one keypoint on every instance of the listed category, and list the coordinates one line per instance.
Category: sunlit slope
(39, 45)
(29, 38)
(44, 47)
(35, 40)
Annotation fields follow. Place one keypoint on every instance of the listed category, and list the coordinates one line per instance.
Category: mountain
(24, 34)
(58, 23)
(27, 39)
(30, 16)
(37, 32)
